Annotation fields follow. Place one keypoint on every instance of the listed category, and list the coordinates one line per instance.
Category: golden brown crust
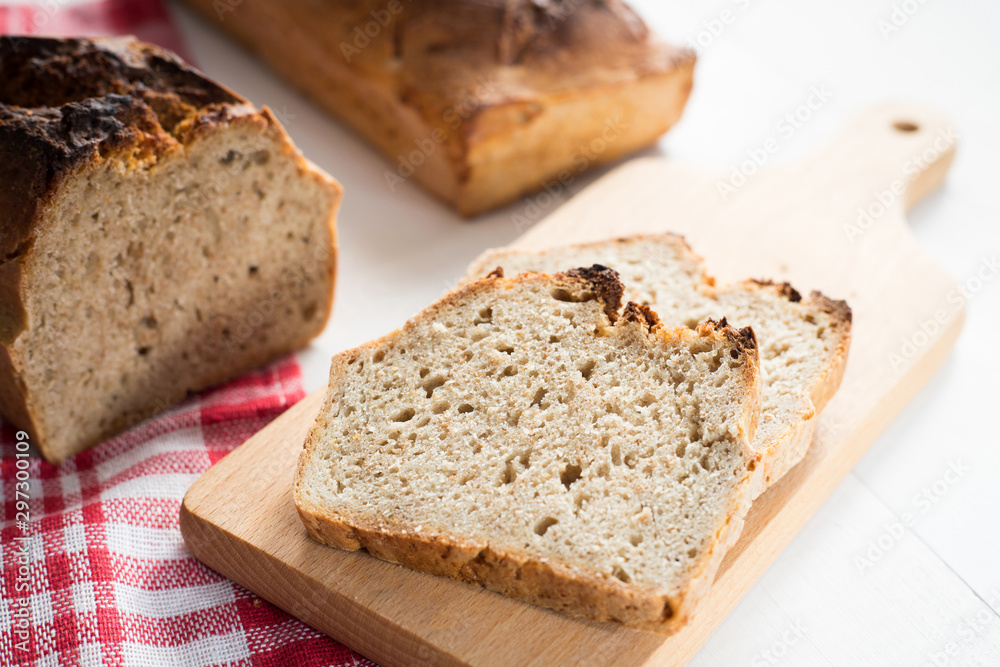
(493, 97)
(541, 582)
(842, 320)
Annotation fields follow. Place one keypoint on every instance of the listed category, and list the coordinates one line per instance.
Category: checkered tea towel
(94, 570)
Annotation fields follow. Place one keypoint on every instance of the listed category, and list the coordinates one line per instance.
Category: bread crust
(515, 573)
(120, 98)
(786, 453)
(72, 105)
(490, 98)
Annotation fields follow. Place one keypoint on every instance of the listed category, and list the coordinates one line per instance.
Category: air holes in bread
(570, 474)
(563, 294)
(539, 396)
(432, 383)
(543, 525)
(404, 415)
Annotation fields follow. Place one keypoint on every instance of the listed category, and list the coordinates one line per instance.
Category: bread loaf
(478, 101)
(803, 340)
(522, 435)
(158, 234)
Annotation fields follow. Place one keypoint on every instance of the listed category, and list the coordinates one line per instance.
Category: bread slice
(520, 435)
(158, 235)
(478, 101)
(803, 341)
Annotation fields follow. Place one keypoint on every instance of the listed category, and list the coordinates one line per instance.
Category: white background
(932, 595)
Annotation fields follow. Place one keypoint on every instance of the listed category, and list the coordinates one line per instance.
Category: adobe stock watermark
(425, 147)
(557, 12)
(223, 7)
(784, 129)
(362, 36)
(380, 19)
(780, 647)
(554, 189)
(37, 16)
(713, 28)
(20, 615)
(966, 632)
(922, 502)
(928, 329)
(15, 42)
(899, 16)
(883, 200)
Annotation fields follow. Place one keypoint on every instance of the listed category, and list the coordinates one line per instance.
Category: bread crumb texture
(803, 340)
(521, 435)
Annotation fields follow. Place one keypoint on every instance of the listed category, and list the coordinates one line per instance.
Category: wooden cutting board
(833, 222)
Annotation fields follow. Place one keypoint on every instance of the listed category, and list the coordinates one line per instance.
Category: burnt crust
(45, 72)
(39, 146)
(67, 102)
(602, 283)
(746, 337)
(641, 314)
(527, 26)
(838, 310)
(744, 340)
(785, 289)
(606, 285)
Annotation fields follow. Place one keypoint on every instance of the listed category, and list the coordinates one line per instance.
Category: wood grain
(798, 222)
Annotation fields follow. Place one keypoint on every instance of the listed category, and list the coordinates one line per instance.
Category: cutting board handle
(906, 147)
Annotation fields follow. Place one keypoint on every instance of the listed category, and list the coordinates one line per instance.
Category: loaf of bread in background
(158, 235)
(481, 101)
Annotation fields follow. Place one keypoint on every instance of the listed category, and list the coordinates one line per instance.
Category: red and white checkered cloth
(101, 575)
(146, 19)
(98, 573)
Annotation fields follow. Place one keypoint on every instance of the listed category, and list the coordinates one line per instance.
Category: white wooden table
(901, 566)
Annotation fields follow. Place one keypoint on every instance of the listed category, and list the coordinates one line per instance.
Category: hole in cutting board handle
(905, 126)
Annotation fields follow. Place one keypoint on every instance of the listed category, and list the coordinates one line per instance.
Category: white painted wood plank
(938, 463)
(856, 587)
